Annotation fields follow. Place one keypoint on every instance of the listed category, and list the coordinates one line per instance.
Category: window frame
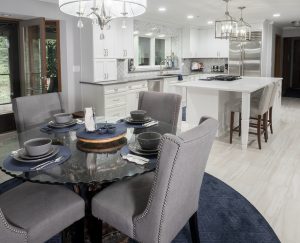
(152, 51)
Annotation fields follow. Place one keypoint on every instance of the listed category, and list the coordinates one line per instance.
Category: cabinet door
(104, 48)
(99, 70)
(132, 101)
(110, 68)
(124, 39)
(99, 45)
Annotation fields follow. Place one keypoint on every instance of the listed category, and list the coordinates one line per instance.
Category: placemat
(11, 164)
(50, 130)
(121, 129)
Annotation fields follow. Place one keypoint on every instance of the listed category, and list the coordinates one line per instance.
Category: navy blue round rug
(225, 216)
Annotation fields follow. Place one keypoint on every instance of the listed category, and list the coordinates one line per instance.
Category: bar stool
(272, 102)
(259, 111)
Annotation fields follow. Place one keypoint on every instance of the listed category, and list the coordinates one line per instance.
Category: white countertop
(244, 85)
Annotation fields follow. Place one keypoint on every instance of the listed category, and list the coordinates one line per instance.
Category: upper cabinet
(124, 37)
(117, 44)
(105, 48)
(201, 43)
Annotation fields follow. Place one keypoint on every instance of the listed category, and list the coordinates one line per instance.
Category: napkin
(90, 124)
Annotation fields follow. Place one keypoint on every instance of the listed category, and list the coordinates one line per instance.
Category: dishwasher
(156, 85)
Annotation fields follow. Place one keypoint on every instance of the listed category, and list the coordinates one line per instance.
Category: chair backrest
(164, 107)
(10, 233)
(265, 99)
(273, 96)
(31, 111)
(175, 192)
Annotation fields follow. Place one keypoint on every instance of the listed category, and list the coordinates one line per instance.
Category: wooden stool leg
(271, 119)
(265, 126)
(231, 126)
(259, 131)
(240, 124)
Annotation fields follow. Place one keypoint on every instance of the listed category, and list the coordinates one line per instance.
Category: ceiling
(210, 10)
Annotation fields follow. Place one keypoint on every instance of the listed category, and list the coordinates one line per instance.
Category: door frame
(27, 23)
(278, 52)
(58, 57)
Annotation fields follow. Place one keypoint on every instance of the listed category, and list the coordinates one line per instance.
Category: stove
(222, 78)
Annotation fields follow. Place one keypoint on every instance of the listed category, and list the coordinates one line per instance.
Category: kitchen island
(211, 98)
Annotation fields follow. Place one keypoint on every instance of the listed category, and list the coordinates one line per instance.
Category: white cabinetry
(201, 43)
(105, 48)
(112, 100)
(124, 38)
(134, 88)
(105, 70)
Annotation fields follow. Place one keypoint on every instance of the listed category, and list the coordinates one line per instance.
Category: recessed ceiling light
(149, 34)
(136, 32)
(154, 28)
(162, 9)
(190, 16)
(276, 15)
(210, 22)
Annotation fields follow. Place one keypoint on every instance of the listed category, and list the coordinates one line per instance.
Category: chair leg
(271, 119)
(231, 125)
(193, 222)
(265, 126)
(240, 124)
(259, 131)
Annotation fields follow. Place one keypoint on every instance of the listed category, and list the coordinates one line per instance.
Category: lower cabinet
(134, 90)
(112, 100)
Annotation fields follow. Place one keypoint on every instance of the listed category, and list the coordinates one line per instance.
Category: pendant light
(244, 29)
(102, 11)
(226, 29)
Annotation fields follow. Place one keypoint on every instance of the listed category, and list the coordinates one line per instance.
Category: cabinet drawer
(115, 89)
(114, 100)
(137, 85)
(119, 112)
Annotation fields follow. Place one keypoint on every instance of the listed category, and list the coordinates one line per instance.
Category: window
(149, 51)
(5, 89)
(144, 51)
(159, 51)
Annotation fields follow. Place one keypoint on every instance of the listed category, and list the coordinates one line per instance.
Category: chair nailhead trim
(153, 191)
(7, 226)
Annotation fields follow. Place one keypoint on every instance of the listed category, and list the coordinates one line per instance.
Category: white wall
(70, 43)
(268, 51)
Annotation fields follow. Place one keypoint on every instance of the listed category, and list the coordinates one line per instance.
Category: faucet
(164, 62)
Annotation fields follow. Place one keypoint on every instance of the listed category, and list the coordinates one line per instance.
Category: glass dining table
(90, 168)
(88, 165)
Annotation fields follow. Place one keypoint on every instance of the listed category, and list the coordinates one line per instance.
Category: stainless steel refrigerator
(245, 57)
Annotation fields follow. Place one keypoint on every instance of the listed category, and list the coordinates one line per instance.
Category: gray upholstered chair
(259, 111)
(34, 213)
(164, 107)
(154, 207)
(34, 110)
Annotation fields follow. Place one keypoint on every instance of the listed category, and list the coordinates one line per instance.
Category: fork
(41, 166)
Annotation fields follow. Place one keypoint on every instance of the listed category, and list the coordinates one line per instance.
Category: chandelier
(102, 11)
(244, 29)
(227, 28)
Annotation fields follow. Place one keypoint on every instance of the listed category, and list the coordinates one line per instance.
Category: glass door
(5, 83)
(33, 57)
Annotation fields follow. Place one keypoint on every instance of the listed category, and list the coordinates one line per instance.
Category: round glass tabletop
(88, 164)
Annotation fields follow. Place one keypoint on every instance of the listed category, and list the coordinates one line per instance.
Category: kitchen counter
(245, 84)
(212, 98)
